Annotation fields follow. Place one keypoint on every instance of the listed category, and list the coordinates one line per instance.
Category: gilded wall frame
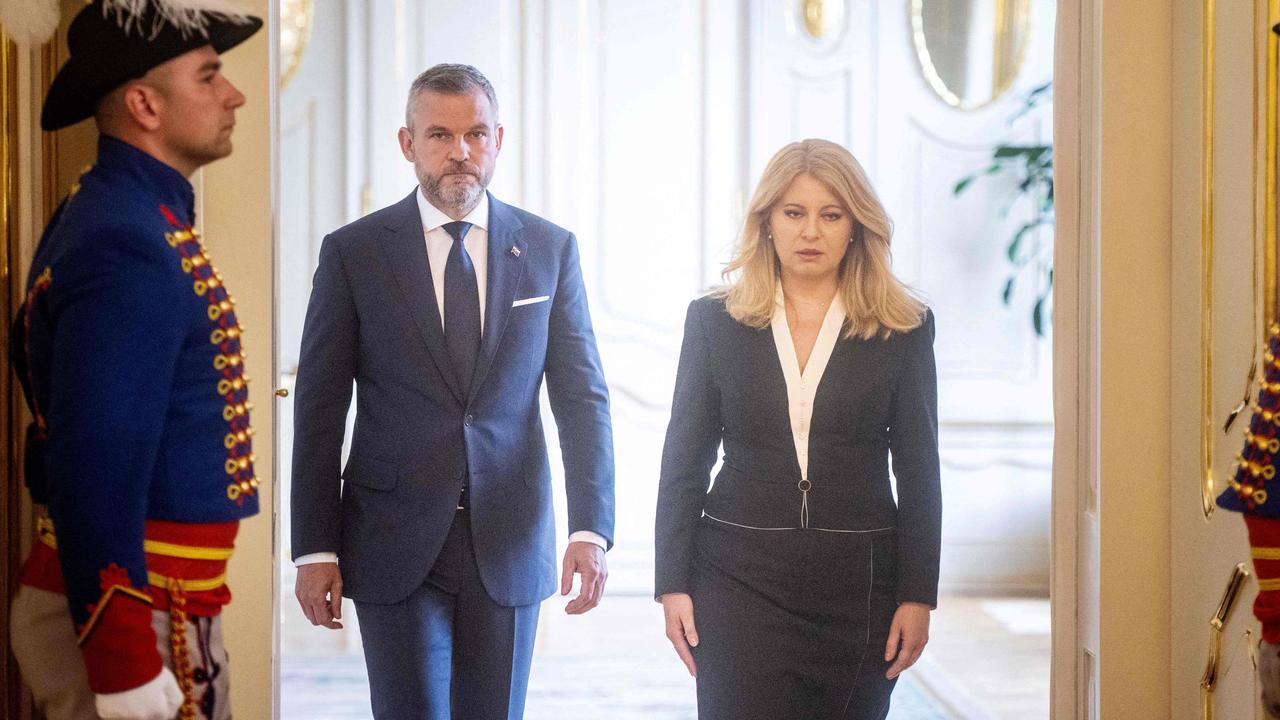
(1265, 199)
(10, 419)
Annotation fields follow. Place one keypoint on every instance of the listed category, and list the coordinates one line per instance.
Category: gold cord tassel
(178, 647)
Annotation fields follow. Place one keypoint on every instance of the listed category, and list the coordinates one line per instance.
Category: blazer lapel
(506, 264)
(406, 252)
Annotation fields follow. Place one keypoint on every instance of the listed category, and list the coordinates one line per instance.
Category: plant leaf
(1012, 250)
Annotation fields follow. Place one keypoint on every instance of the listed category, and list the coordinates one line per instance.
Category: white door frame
(1074, 545)
(1075, 559)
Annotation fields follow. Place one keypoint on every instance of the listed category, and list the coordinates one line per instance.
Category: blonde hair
(876, 302)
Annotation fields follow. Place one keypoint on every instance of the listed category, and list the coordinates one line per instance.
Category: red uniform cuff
(118, 643)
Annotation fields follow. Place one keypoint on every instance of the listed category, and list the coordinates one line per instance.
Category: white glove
(157, 699)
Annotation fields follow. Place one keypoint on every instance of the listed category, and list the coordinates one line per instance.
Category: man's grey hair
(449, 79)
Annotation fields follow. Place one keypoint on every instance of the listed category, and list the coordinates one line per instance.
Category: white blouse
(803, 386)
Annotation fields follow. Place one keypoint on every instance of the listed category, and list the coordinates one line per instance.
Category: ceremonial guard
(130, 354)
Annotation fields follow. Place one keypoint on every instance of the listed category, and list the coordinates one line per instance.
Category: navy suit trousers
(448, 651)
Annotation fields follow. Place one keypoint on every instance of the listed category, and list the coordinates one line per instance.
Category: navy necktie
(461, 307)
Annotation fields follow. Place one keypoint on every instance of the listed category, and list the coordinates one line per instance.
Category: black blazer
(876, 398)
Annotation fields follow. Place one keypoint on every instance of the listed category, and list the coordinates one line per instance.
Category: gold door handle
(1212, 671)
(287, 379)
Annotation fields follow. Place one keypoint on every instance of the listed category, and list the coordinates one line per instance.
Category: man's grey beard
(460, 198)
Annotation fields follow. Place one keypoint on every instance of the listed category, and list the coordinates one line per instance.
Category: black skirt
(792, 623)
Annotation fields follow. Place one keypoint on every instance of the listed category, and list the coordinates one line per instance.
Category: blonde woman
(796, 587)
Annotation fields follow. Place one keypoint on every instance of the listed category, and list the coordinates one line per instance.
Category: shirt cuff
(158, 697)
(313, 558)
(588, 536)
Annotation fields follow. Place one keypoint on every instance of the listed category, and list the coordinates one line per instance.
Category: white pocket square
(530, 301)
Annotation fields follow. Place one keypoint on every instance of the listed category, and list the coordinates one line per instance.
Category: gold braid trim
(1265, 553)
(46, 535)
(165, 581)
(44, 531)
(102, 606)
(1268, 584)
(191, 552)
(181, 654)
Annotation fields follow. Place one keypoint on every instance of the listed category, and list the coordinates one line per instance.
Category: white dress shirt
(439, 243)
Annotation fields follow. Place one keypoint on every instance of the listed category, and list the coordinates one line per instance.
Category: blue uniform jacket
(131, 356)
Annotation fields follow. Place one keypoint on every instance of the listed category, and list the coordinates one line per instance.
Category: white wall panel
(805, 87)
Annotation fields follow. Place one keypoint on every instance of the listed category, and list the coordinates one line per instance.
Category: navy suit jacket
(373, 319)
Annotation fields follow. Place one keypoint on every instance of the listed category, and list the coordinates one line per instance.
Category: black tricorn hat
(115, 41)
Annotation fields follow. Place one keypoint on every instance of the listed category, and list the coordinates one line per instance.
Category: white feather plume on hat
(35, 21)
(29, 21)
(189, 16)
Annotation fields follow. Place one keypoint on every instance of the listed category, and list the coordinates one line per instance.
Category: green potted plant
(1029, 250)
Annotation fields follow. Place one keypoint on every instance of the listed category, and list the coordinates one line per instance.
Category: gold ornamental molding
(1271, 298)
(1263, 271)
(1011, 26)
(820, 16)
(296, 19)
(14, 702)
(1207, 423)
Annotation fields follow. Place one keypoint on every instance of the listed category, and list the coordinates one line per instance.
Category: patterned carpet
(561, 688)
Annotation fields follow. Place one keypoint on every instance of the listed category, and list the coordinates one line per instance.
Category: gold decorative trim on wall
(296, 19)
(1271, 298)
(1263, 267)
(1256, 240)
(820, 16)
(1009, 14)
(10, 500)
(1207, 423)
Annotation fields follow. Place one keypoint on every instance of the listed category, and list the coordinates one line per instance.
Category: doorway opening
(643, 127)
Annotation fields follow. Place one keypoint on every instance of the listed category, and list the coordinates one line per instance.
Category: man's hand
(585, 559)
(319, 592)
(678, 610)
(908, 635)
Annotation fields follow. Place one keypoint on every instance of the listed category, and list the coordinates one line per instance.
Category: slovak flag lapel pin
(515, 251)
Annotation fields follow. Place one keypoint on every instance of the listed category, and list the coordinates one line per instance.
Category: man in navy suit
(447, 310)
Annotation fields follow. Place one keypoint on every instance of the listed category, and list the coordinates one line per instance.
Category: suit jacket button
(467, 421)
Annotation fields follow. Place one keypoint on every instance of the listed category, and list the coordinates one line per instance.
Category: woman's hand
(908, 635)
(678, 608)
